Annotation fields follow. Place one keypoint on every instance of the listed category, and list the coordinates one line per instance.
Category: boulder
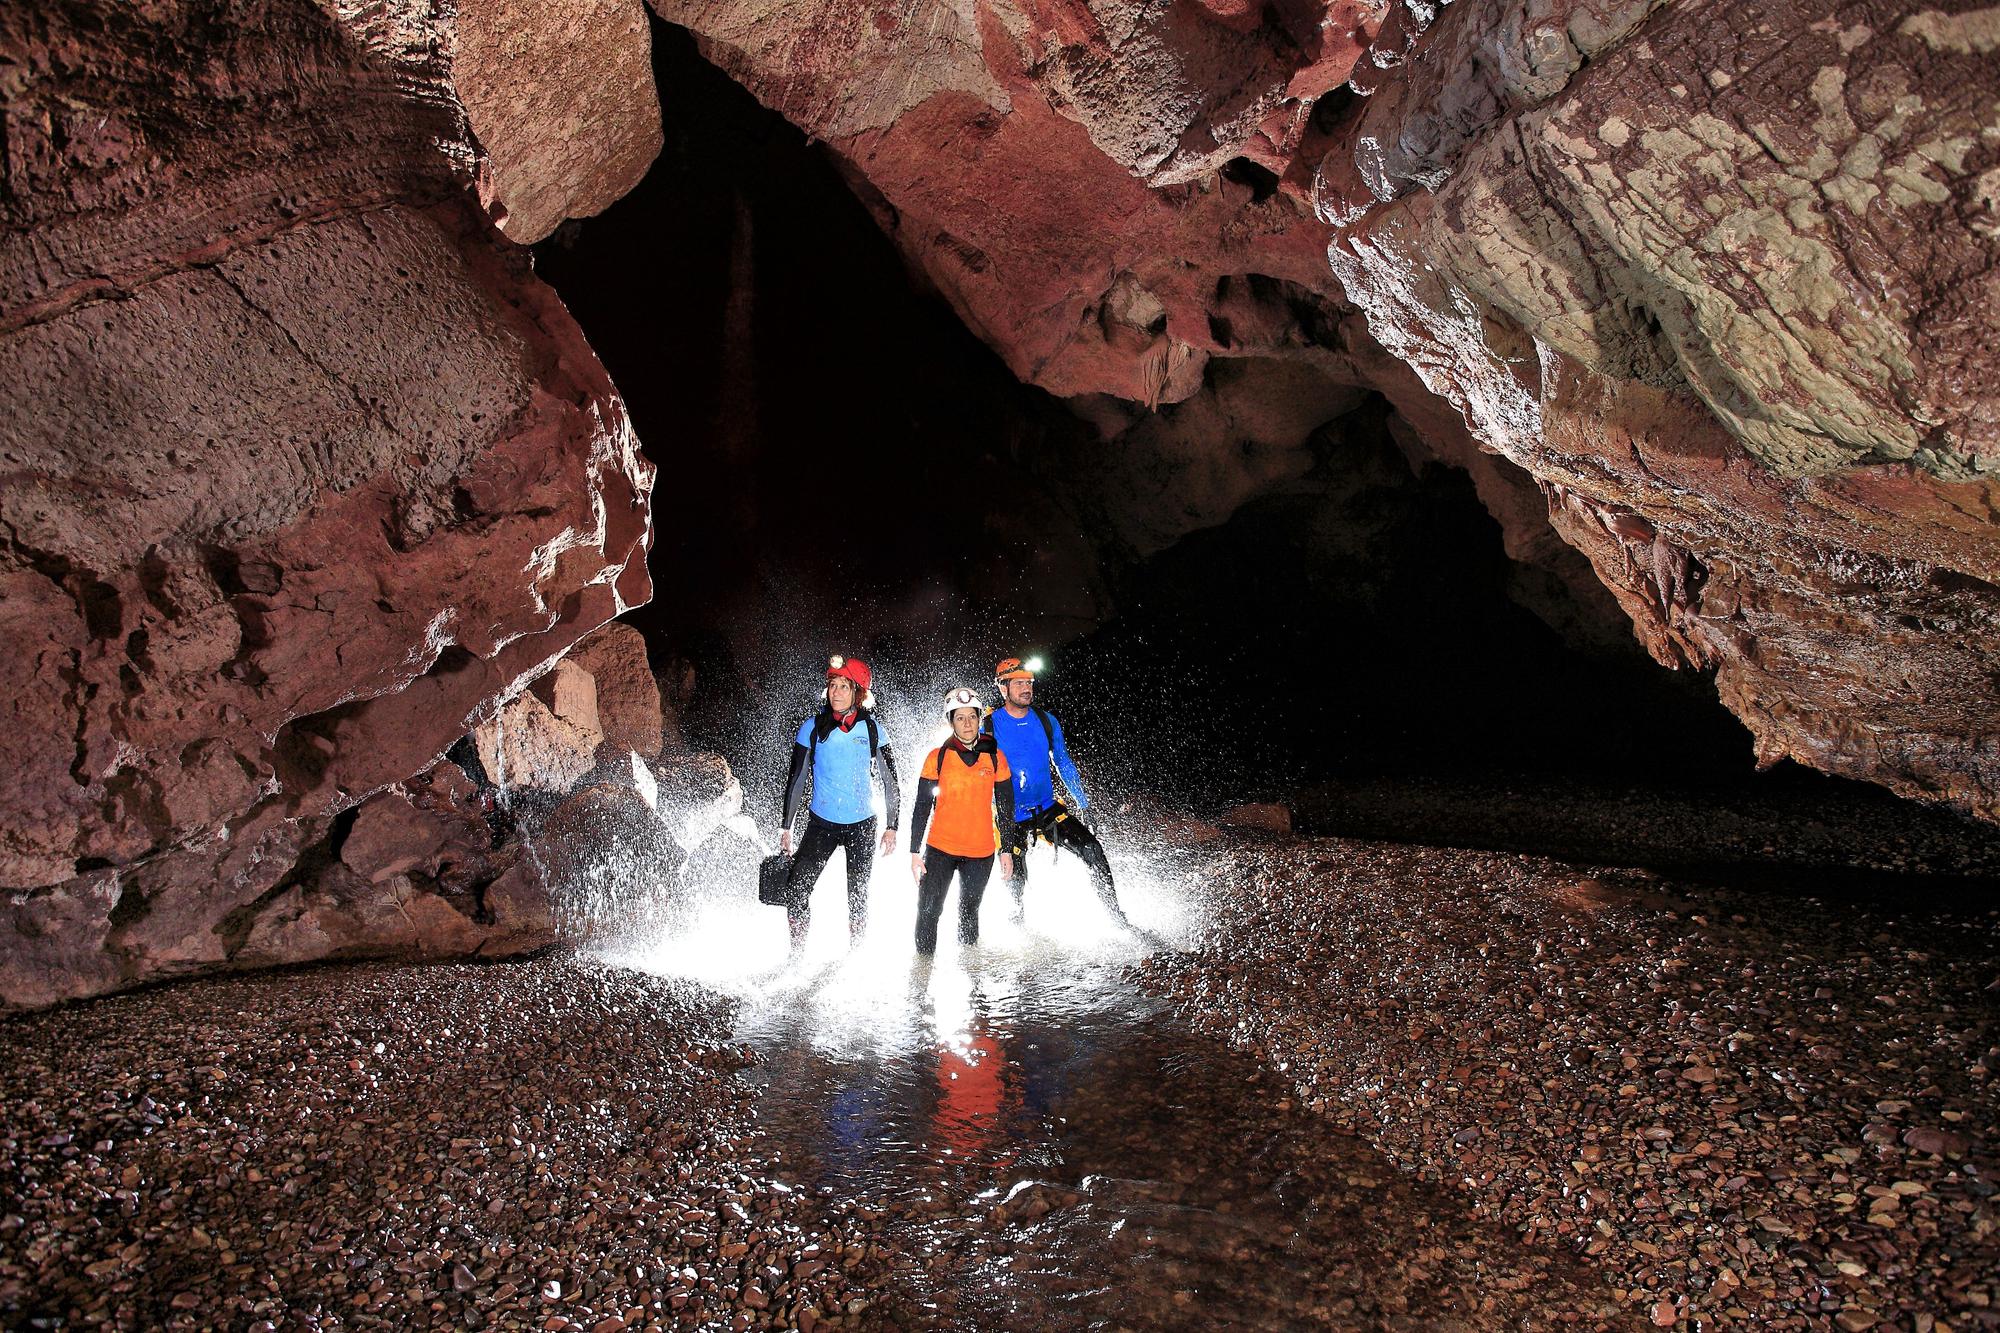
(628, 697)
(1264, 817)
(698, 794)
(528, 745)
(392, 834)
(607, 857)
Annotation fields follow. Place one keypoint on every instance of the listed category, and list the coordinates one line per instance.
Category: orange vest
(962, 822)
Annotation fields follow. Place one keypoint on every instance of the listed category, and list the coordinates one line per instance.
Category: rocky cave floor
(1745, 1106)
(1785, 829)
(1528, 1091)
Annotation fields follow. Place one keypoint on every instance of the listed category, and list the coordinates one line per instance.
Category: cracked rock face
(1726, 289)
(303, 468)
(1701, 294)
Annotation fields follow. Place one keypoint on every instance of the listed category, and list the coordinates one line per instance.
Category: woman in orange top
(964, 781)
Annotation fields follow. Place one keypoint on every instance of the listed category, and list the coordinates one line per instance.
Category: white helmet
(957, 698)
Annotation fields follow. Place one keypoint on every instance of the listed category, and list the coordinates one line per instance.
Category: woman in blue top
(841, 749)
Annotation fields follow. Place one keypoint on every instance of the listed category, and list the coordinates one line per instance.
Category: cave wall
(303, 469)
(1712, 281)
(306, 473)
(1724, 280)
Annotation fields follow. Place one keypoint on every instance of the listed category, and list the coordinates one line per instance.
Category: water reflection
(1060, 1151)
(893, 1073)
(973, 1087)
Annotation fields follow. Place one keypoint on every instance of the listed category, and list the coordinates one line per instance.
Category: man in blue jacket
(841, 750)
(1032, 740)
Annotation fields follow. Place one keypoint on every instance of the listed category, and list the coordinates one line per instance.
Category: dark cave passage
(845, 467)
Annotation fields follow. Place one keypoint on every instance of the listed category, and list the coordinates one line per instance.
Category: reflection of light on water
(873, 996)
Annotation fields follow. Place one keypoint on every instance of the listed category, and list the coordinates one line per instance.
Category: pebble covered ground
(560, 1144)
(1067, 1155)
(1198, 1195)
(1470, 1091)
(1747, 1108)
(544, 1145)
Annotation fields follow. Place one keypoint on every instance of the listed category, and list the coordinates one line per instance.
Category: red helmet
(853, 668)
(1013, 668)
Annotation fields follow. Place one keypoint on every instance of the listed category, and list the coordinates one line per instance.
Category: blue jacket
(841, 770)
(1035, 761)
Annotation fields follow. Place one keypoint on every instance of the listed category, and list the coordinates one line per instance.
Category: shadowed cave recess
(844, 468)
(1503, 498)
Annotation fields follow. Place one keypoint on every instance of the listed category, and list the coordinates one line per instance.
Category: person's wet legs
(938, 869)
(1074, 837)
(858, 841)
(815, 850)
(972, 879)
(1017, 883)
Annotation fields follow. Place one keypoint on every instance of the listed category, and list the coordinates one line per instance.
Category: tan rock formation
(561, 100)
(629, 709)
(546, 738)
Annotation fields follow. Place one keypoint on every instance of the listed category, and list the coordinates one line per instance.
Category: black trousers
(1068, 835)
(822, 839)
(939, 867)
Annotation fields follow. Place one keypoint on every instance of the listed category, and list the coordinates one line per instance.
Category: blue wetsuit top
(841, 772)
(1027, 749)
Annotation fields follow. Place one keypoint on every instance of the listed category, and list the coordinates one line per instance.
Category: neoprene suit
(1038, 755)
(840, 755)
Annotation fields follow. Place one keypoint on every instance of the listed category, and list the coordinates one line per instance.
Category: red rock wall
(1717, 279)
(302, 468)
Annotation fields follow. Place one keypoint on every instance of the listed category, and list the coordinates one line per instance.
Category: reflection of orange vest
(962, 823)
(970, 1093)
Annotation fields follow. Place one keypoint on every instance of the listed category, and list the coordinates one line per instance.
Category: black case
(773, 874)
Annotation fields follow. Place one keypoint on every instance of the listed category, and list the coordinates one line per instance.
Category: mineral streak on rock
(329, 476)
(1736, 325)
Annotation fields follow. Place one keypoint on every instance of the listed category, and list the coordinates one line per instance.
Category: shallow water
(1061, 1150)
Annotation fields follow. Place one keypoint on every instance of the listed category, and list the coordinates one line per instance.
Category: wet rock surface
(1828, 834)
(1775, 1111)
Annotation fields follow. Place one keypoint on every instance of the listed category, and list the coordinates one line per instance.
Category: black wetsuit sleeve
(920, 818)
(892, 792)
(795, 785)
(1003, 806)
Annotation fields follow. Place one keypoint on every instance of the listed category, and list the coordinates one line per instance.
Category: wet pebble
(383, 1147)
(1760, 1109)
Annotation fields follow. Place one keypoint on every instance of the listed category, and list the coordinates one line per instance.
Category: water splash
(849, 998)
